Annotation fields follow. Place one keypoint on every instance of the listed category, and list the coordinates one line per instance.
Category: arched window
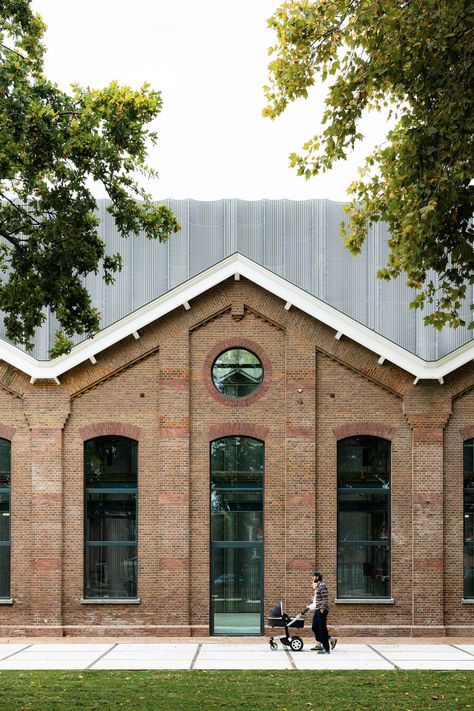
(363, 485)
(110, 465)
(5, 473)
(469, 518)
(236, 535)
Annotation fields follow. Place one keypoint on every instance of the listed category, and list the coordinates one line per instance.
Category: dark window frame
(5, 490)
(257, 544)
(368, 543)
(236, 396)
(112, 488)
(468, 545)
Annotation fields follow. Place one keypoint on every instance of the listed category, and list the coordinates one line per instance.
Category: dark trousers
(320, 628)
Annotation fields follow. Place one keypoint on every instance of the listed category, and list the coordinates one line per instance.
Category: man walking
(320, 607)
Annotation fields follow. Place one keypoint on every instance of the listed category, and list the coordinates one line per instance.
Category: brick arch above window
(467, 432)
(7, 432)
(227, 345)
(238, 429)
(374, 429)
(104, 429)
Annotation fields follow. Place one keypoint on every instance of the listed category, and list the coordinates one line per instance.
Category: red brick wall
(158, 390)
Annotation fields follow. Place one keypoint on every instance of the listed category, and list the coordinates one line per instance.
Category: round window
(237, 372)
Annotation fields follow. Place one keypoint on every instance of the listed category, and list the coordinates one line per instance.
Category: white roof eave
(238, 264)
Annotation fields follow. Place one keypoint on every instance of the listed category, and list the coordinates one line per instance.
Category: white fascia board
(261, 276)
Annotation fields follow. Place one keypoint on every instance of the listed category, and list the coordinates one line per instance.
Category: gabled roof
(237, 264)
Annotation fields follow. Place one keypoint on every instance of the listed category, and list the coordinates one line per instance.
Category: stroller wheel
(273, 645)
(296, 644)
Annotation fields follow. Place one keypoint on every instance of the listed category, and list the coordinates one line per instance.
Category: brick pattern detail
(244, 429)
(375, 429)
(7, 432)
(467, 432)
(104, 429)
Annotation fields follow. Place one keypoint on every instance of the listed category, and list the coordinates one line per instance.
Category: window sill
(6, 601)
(365, 601)
(467, 600)
(110, 601)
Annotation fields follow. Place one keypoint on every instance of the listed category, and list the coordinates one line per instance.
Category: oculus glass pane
(111, 567)
(236, 535)
(363, 552)
(237, 373)
(469, 518)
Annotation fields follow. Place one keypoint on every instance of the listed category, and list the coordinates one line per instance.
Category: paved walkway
(76, 655)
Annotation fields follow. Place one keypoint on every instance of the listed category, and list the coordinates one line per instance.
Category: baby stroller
(278, 618)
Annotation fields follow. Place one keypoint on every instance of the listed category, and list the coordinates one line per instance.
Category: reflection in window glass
(469, 518)
(5, 544)
(237, 373)
(363, 565)
(111, 568)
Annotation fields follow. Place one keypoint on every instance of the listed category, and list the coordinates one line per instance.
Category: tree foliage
(53, 147)
(414, 57)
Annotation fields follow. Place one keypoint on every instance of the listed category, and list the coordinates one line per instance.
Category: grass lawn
(237, 690)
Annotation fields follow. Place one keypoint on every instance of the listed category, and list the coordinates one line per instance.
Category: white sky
(209, 59)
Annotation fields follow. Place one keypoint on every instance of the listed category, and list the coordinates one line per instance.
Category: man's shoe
(316, 648)
(324, 651)
(333, 642)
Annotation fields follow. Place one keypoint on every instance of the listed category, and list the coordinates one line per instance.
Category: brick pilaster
(427, 408)
(300, 504)
(46, 410)
(173, 474)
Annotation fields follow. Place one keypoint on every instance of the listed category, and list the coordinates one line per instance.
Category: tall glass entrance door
(236, 536)
(236, 582)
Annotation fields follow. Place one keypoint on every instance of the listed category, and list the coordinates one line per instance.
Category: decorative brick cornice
(7, 432)
(104, 429)
(375, 429)
(467, 432)
(237, 343)
(427, 405)
(242, 429)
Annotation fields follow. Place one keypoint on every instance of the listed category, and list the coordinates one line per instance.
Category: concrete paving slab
(7, 649)
(136, 664)
(275, 662)
(71, 648)
(41, 662)
(333, 661)
(448, 654)
(442, 665)
(407, 647)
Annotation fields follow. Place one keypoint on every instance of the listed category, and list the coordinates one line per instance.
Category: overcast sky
(209, 59)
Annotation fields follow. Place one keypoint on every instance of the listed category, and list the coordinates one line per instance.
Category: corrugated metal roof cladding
(298, 240)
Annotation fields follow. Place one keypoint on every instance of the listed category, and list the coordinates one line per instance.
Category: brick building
(241, 418)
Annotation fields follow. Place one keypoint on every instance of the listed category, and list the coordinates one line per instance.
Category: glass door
(236, 536)
(236, 589)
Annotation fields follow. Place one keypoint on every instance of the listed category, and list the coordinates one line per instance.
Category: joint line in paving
(292, 661)
(194, 659)
(383, 656)
(17, 652)
(460, 649)
(101, 656)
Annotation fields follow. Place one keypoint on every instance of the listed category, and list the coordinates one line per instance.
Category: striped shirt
(321, 597)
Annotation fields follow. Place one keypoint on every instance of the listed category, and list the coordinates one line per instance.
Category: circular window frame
(222, 347)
